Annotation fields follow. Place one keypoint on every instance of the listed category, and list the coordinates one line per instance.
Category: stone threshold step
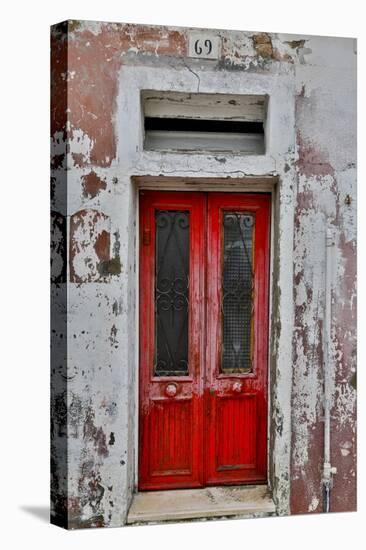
(183, 504)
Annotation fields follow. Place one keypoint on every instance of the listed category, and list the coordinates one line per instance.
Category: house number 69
(199, 49)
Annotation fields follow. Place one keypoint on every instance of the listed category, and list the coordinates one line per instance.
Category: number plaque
(203, 46)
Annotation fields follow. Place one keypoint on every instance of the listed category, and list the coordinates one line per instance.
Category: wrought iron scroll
(237, 292)
(171, 293)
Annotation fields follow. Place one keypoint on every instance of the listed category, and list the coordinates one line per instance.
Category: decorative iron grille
(237, 292)
(171, 292)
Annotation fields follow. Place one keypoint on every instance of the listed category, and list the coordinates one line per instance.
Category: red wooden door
(204, 261)
(171, 339)
(237, 335)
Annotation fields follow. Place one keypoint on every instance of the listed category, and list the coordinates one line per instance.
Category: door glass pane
(237, 292)
(171, 292)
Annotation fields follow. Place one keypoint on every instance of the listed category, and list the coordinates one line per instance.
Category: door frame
(264, 184)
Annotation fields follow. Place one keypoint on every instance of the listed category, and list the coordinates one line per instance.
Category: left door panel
(171, 339)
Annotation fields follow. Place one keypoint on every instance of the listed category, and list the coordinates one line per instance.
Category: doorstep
(210, 502)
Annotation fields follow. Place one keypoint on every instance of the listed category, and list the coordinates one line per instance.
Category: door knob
(171, 390)
(237, 387)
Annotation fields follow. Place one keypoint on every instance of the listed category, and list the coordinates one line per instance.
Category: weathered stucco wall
(326, 190)
(98, 70)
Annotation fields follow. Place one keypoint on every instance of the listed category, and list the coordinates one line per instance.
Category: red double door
(204, 262)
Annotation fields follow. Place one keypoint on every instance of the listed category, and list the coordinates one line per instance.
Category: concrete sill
(210, 502)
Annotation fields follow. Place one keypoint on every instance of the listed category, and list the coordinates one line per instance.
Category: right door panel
(237, 335)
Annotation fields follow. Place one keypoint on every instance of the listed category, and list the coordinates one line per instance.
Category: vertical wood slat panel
(236, 432)
(170, 437)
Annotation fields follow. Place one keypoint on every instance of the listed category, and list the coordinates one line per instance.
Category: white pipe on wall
(328, 470)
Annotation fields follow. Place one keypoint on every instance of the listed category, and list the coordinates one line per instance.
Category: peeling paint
(263, 45)
(92, 184)
(314, 504)
(58, 248)
(312, 162)
(89, 245)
